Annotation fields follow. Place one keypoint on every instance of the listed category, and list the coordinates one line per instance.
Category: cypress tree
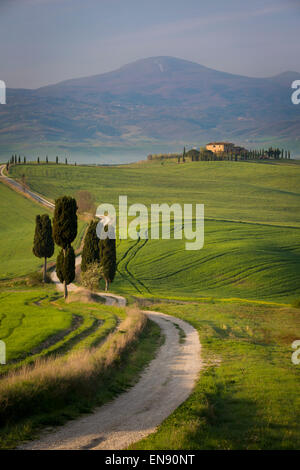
(65, 267)
(64, 233)
(56, 160)
(108, 260)
(65, 221)
(91, 249)
(43, 245)
(60, 261)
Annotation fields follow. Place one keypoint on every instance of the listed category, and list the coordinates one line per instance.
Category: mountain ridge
(153, 101)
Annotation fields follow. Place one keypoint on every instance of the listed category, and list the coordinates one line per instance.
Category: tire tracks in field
(128, 256)
(12, 329)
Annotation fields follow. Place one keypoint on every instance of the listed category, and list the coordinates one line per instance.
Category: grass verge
(98, 376)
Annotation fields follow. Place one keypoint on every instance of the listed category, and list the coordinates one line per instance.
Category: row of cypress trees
(63, 233)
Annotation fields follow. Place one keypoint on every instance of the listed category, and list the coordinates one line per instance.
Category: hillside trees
(64, 233)
(43, 245)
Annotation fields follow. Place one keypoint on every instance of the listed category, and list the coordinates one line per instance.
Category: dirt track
(27, 192)
(163, 386)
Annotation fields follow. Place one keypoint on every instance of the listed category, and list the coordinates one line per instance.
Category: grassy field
(252, 223)
(240, 191)
(17, 216)
(36, 323)
(238, 260)
(247, 397)
(62, 388)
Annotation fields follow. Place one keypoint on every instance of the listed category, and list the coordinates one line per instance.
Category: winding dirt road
(19, 187)
(163, 386)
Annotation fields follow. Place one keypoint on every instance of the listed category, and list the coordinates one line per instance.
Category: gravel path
(164, 385)
(19, 187)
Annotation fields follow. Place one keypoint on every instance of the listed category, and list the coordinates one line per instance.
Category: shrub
(91, 277)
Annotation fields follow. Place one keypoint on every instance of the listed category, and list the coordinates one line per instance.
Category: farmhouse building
(217, 147)
(224, 147)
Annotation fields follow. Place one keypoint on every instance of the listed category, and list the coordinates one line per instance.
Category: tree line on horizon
(63, 232)
(15, 160)
(204, 154)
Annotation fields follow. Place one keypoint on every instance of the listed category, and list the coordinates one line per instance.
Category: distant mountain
(152, 102)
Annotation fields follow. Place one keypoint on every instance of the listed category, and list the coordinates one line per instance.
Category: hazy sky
(46, 41)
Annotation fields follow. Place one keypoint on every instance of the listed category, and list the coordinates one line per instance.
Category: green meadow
(235, 291)
(252, 225)
(238, 191)
(247, 396)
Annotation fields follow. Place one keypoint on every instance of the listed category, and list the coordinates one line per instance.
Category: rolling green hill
(252, 225)
(17, 215)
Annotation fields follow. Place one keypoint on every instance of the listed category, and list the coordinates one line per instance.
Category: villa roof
(220, 143)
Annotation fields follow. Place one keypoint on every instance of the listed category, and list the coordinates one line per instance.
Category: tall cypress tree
(43, 245)
(64, 233)
(108, 260)
(91, 249)
(65, 267)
